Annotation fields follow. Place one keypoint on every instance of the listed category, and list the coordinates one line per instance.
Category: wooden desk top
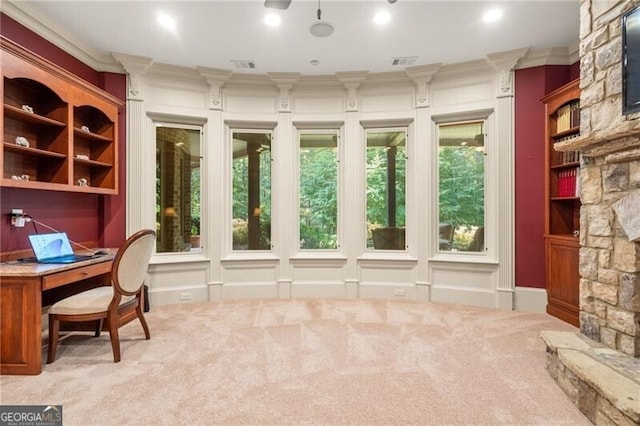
(32, 269)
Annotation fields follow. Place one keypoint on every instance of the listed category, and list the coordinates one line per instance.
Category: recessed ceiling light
(166, 21)
(272, 20)
(492, 15)
(382, 18)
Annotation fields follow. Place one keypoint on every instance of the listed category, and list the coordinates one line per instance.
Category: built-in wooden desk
(24, 289)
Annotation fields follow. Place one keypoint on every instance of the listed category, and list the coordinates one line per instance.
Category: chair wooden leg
(54, 328)
(115, 339)
(98, 327)
(143, 321)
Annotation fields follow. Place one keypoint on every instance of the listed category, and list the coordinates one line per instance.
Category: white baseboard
(531, 299)
(527, 299)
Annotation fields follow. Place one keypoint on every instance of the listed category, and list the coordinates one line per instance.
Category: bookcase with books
(562, 203)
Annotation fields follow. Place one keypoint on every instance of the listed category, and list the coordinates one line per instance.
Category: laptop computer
(54, 248)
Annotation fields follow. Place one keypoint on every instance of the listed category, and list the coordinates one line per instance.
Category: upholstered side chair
(116, 304)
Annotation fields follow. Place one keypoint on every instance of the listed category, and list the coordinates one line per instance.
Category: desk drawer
(74, 275)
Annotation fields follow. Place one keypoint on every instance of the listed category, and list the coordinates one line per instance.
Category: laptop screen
(48, 246)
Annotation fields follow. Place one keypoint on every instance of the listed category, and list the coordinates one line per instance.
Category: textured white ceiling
(214, 33)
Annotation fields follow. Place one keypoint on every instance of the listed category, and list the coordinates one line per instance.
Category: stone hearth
(602, 382)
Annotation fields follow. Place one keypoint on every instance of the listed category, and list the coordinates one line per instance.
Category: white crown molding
(549, 56)
(506, 61)
(460, 69)
(187, 74)
(574, 53)
(21, 12)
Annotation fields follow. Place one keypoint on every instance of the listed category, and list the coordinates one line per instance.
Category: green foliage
(195, 201)
(461, 199)
(461, 202)
(319, 199)
(377, 187)
(240, 201)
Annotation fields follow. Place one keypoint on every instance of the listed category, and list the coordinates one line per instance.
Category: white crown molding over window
(136, 67)
(504, 63)
(284, 82)
(216, 78)
(421, 76)
(351, 81)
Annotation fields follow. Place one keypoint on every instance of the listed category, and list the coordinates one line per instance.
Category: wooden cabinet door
(563, 278)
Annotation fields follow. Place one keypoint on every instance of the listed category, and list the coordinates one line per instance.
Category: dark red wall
(85, 217)
(113, 207)
(531, 84)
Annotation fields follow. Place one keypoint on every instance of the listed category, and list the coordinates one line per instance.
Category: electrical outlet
(185, 296)
(400, 292)
(17, 218)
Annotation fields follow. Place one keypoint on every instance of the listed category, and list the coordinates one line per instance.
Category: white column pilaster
(284, 175)
(140, 165)
(503, 230)
(352, 207)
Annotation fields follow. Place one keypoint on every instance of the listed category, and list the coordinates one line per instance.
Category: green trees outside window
(251, 191)
(386, 169)
(318, 190)
(461, 186)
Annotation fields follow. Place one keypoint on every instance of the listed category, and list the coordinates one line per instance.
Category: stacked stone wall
(610, 172)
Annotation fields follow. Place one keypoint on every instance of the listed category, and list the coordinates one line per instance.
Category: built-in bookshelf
(59, 132)
(562, 203)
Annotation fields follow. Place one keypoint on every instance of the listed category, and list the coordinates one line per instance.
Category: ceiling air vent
(403, 61)
(243, 65)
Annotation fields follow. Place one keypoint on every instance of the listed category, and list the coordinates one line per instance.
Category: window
(461, 186)
(251, 191)
(318, 190)
(178, 188)
(386, 166)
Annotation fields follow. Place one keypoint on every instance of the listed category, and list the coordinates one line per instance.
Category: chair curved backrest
(131, 262)
(388, 238)
(477, 243)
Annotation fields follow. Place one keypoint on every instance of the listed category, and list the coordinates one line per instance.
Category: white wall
(418, 98)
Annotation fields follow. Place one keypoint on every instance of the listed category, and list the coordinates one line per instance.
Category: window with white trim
(251, 189)
(461, 186)
(386, 185)
(178, 166)
(318, 190)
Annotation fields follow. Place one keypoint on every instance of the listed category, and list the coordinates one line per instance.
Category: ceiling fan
(284, 4)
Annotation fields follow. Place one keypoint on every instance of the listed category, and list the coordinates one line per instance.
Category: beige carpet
(301, 362)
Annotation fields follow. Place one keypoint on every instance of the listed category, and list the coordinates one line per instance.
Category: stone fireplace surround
(599, 368)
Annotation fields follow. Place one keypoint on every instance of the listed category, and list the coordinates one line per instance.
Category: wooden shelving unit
(70, 127)
(562, 204)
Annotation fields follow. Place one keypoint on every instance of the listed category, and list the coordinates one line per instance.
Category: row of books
(564, 157)
(569, 183)
(568, 117)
